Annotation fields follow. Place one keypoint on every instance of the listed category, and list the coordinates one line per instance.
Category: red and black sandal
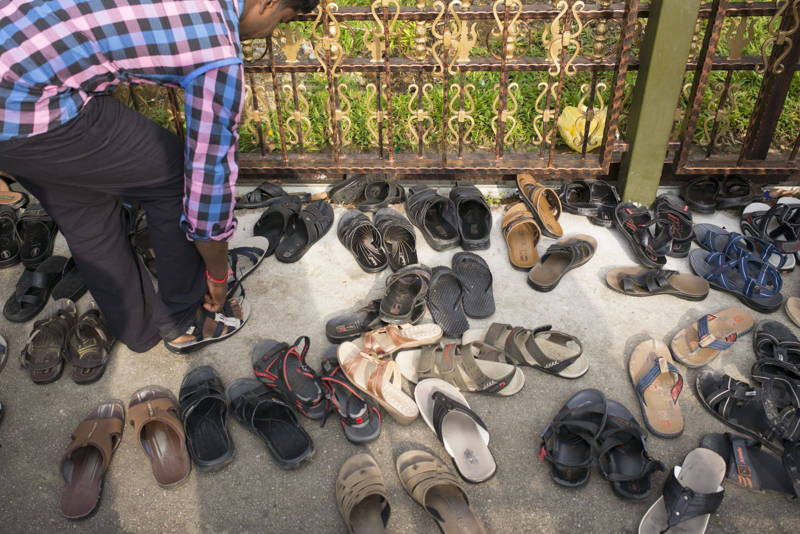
(358, 414)
(283, 367)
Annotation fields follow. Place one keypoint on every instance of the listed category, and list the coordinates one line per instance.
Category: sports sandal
(544, 349)
(634, 222)
(380, 193)
(33, 290)
(392, 338)
(544, 204)
(522, 234)
(699, 344)
(673, 225)
(777, 224)
(245, 258)
(434, 487)
(756, 283)
(406, 290)
(467, 367)
(303, 230)
(622, 456)
(204, 414)
(379, 378)
(361, 496)
(474, 216)
(13, 199)
(734, 245)
(363, 240)
(476, 281)
(267, 415)
(748, 465)
(88, 347)
(275, 220)
(260, 196)
(399, 238)
(435, 216)
(44, 354)
(225, 324)
(9, 240)
(37, 234)
(563, 256)
(569, 442)
(777, 350)
(283, 367)
(358, 415)
(658, 384)
(70, 286)
(464, 435)
(691, 494)
(595, 199)
(154, 416)
(701, 194)
(88, 457)
(645, 282)
(446, 302)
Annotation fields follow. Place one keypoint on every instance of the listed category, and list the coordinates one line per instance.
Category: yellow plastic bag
(572, 126)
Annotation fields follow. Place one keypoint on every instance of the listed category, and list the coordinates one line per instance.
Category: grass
(317, 135)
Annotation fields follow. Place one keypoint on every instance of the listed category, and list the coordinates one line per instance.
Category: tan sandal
(431, 484)
(8, 197)
(544, 204)
(380, 378)
(389, 339)
(522, 234)
(361, 495)
(87, 458)
(697, 345)
(645, 282)
(658, 384)
(793, 309)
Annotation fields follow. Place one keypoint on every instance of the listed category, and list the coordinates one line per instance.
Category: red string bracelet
(221, 281)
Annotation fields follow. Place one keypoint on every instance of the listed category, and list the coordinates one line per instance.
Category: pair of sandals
(56, 276)
(291, 228)
(667, 231)
(28, 239)
(85, 342)
(264, 195)
(370, 192)
(595, 199)
(363, 499)
(706, 194)
(462, 219)
(386, 241)
(465, 290)
(592, 430)
(778, 225)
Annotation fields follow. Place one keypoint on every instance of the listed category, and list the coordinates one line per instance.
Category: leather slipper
(522, 234)
(544, 203)
(563, 256)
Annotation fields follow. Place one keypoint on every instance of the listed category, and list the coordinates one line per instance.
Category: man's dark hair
(303, 6)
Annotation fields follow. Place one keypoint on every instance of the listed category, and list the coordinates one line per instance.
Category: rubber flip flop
(658, 384)
(563, 256)
(522, 234)
(476, 282)
(361, 496)
(699, 344)
(275, 220)
(692, 493)
(462, 432)
(474, 216)
(445, 302)
(646, 282)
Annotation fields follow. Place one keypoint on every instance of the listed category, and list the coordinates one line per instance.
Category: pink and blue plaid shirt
(56, 54)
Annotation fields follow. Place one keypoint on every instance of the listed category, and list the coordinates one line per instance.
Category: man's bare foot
(210, 323)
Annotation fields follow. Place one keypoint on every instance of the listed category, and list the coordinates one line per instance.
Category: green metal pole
(664, 51)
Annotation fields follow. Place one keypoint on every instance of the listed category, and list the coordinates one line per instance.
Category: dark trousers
(80, 172)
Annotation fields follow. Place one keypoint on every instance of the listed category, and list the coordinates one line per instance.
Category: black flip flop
(9, 240)
(445, 302)
(33, 290)
(474, 216)
(358, 414)
(305, 229)
(71, 286)
(273, 222)
(359, 236)
(266, 413)
(381, 193)
(476, 281)
(37, 234)
(204, 410)
(399, 238)
(406, 290)
(701, 194)
(674, 228)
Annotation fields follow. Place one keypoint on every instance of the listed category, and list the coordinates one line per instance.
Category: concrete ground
(254, 495)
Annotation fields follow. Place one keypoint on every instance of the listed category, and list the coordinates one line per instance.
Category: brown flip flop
(793, 309)
(361, 495)
(8, 197)
(658, 384)
(563, 256)
(522, 234)
(544, 204)
(87, 458)
(429, 482)
(697, 345)
(645, 282)
(153, 414)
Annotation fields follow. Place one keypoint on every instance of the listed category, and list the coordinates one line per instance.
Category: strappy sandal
(544, 204)
(658, 384)
(392, 338)
(88, 457)
(700, 343)
(89, 346)
(435, 216)
(673, 225)
(406, 290)
(701, 194)
(691, 493)
(9, 240)
(779, 224)
(595, 199)
(645, 282)
(522, 234)
(283, 367)
(563, 256)
(431, 484)
(272, 224)
(380, 378)
(44, 354)
(13, 199)
(544, 349)
(225, 321)
(260, 196)
(363, 240)
(33, 290)
(380, 193)
(634, 222)
(474, 216)
(245, 258)
(473, 367)
(780, 396)
(398, 236)
(358, 415)
(569, 442)
(463, 434)
(303, 230)
(734, 245)
(777, 350)
(622, 456)
(361, 496)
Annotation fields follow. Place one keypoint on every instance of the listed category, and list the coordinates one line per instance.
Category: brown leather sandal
(153, 414)
(522, 234)
(44, 354)
(361, 495)
(88, 347)
(544, 204)
(87, 458)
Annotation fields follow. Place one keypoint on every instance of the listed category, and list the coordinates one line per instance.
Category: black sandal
(779, 221)
(701, 194)
(595, 199)
(445, 302)
(359, 236)
(435, 216)
(634, 222)
(358, 414)
(350, 325)
(380, 193)
(474, 216)
(398, 236)
(260, 196)
(673, 226)
(71, 286)
(37, 233)
(406, 290)
(777, 350)
(273, 222)
(33, 290)
(476, 281)
(9, 240)
(305, 229)
(736, 191)
(204, 412)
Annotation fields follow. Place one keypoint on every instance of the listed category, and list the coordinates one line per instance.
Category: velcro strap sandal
(44, 354)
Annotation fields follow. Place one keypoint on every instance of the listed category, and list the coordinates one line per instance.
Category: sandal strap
(520, 352)
(618, 437)
(660, 367)
(420, 477)
(654, 281)
(729, 394)
(448, 362)
(99, 432)
(683, 504)
(443, 405)
(707, 340)
(371, 343)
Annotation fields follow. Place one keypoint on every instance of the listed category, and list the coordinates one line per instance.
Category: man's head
(260, 17)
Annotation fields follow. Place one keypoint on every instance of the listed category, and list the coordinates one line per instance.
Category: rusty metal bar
(379, 108)
(723, 99)
(388, 71)
(277, 92)
(332, 100)
(298, 125)
(420, 132)
(260, 127)
(589, 115)
(503, 97)
(461, 110)
(445, 89)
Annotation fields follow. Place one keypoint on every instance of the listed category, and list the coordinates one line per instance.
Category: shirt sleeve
(213, 109)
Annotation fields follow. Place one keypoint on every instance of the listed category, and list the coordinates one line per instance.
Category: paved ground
(254, 495)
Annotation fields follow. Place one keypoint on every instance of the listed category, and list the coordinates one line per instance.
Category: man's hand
(215, 256)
